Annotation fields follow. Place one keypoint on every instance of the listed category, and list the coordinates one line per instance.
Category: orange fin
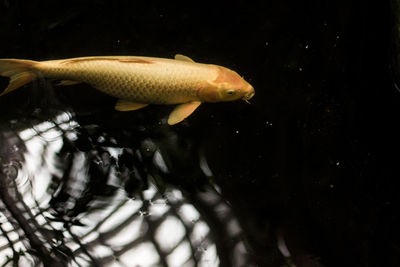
(67, 82)
(183, 58)
(126, 105)
(182, 111)
(18, 80)
(19, 71)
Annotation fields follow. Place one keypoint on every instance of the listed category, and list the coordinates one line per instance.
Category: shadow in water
(80, 190)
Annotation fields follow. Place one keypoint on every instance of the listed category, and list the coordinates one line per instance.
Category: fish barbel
(138, 81)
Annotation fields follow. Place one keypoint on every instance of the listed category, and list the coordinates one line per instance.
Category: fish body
(138, 81)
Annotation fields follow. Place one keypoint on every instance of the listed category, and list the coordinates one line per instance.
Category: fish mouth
(248, 95)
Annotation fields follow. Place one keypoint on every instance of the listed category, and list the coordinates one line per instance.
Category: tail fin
(20, 72)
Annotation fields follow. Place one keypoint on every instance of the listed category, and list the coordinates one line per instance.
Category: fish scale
(138, 81)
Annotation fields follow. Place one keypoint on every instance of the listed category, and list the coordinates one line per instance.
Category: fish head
(228, 86)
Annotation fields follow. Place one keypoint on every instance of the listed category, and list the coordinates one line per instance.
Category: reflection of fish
(138, 81)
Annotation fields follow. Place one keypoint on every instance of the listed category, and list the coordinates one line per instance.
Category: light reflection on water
(148, 229)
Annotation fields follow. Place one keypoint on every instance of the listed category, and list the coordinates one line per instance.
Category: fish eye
(230, 92)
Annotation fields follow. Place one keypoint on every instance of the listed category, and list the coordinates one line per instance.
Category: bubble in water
(97, 161)
(202, 249)
(14, 148)
(144, 213)
(10, 170)
(101, 139)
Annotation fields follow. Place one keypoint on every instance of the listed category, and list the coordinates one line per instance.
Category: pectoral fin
(126, 105)
(182, 111)
(183, 58)
(68, 82)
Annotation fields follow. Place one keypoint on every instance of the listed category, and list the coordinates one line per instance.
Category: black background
(314, 157)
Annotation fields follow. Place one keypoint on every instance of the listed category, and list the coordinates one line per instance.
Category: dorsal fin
(183, 58)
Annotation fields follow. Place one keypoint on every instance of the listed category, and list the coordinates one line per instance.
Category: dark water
(307, 175)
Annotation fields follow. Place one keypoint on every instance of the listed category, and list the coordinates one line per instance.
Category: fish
(138, 81)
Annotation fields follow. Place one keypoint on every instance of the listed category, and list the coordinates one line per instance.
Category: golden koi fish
(138, 81)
